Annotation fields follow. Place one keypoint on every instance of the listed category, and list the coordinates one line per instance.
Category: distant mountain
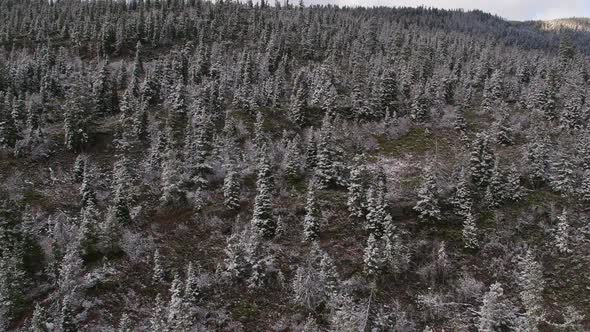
(573, 23)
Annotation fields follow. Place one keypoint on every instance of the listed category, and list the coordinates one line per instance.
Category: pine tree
(531, 285)
(373, 257)
(495, 192)
(427, 205)
(87, 187)
(38, 321)
(123, 182)
(176, 316)
(231, 190)
(311, 222)
(79, 167)
(470, 240)
(356, 195)
(496, 312)
(584, 190)
(88, 230)
(462, 200)
(326, 169)
(67, 320)
(292, 159)
(172, 194)
(563, 233)
(77, 125)
(191, 287)
(110, 233)
(513, 188)
(536, 158)
(157, 321)
(125, 324)
(70, 270)
(481, 161)
(158, 273)
(262, 217)
(388, 91)
(297, 108)
(563, 181)
(375, 212)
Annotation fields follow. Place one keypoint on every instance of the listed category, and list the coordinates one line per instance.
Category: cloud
(509, 9)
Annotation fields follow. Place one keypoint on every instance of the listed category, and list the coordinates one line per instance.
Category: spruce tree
(481, 162)
(311, 222)
(262, 217)
(356, 194)
(373, 257)
(563, 233)
(496, 312)
(470, 240)
(158, 273)
(231, 190)
(531, 285)
(427, 205)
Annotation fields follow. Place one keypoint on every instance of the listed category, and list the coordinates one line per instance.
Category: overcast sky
(509, 9)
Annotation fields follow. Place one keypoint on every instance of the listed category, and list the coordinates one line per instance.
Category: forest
(188, 165)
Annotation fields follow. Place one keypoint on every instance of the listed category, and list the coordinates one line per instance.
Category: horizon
(507, 9)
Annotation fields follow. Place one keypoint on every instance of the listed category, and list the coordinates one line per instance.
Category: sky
(520, 10)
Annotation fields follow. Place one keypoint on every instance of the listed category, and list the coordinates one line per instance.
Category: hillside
(198, 166)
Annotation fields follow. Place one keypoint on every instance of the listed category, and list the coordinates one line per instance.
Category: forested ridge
(185, 165)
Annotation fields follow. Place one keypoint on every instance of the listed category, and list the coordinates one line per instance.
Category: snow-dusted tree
(388, 91)
(373, 256)
(427, 205)
(297, 107)
(79, 167)
(419, 112)
(328, 164)
(77, 124)
(157, 320)
(375, 211)
(504, 134)
(563, 233)
(562, 180)
(39, 320)
(70, 270)
(88, 232)
(293, 159)
(481, 161)
(262, 217)
(496, 312)
(191, 285)
(236, 261)
(513, 189)
(158, 272)
(470, 240)
(171, 180)
(125, 324)
(67, 320)
(87, 187)
(110, 233)
(531, 285)
(231, 189)
(536, 158)
(462, 199)
(495, 192)
(356, 190)
(311, 221)
(584, 190)
(123, 182)
(177, 319)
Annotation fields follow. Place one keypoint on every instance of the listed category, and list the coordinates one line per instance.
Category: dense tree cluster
(185, 165)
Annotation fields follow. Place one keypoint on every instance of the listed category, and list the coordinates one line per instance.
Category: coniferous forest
(185, 165)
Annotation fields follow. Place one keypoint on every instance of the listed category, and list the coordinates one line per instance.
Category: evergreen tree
(79, 167)
(373, 257)
(176, 316)
(231, 190)
(123, 182)
(292, 159)
(481, 162)
(157, 321)
(311, 222)
(87, 187)
(470, 240)
(562, 180)
(262, 217)
(125, 324)
(356, 189)
(462, 199)
(38, 321)
(427, 205)
(531, 285)
(496, 312)
(375, 211)
(172, 194)
(191, 286)
(563, 234)
(158, 273)
(67, 320)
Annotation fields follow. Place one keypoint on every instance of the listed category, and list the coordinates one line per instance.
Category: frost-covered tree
(496, 312)
(125, 324)
(462, 199)
(427, 205)
(172, 194)
(469, 232)
(158, 272)
(356, 190)
(231, 190)
(312, 221)
(262, 217)
(373, 256)
(562, 180)
(563, 233)
(531, 284)
(481, 161)
(176, 317)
